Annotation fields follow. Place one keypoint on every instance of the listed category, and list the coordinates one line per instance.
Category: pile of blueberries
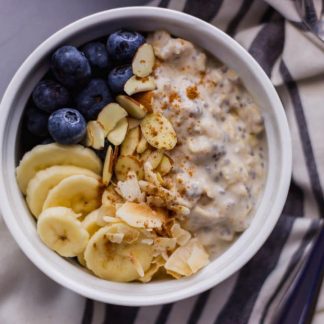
(84, 81)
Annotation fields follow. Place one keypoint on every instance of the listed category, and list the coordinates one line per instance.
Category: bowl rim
(282, 188)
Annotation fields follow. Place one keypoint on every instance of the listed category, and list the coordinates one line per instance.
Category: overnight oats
(145, 157)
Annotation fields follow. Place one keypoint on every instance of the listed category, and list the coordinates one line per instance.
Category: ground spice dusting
(173, 96)
(192, 92)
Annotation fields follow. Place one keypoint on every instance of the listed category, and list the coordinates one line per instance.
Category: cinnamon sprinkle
(192, 92)
(173, 96)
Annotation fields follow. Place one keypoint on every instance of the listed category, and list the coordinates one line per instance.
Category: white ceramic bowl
(22, 225)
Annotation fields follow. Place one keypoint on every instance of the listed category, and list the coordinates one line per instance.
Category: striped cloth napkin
(294, 60)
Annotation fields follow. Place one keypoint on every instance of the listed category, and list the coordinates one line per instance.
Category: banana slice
(117, 262)
(157, 263)
(90, 222)
(81, 259)
(79, 192)
(44, 156)
(60, 230)
(44, 180)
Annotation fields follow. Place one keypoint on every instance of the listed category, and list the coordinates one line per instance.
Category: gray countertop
(26, 24)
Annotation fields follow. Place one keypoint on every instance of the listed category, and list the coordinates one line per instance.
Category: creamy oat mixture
(219, 161)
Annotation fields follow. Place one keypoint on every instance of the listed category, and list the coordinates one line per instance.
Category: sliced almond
(140, 215)
(142, 145)
(133, 123)
(149, 175)
(143, 61)
(159, 177)
(158, 131)
(131, 142)
(108, 166)
(118, 134)
(145, 155)
(110, 196)
(125, 164)
(165, 166)
(155, 158)
(136, 84)
(110, 115)
(146, 99)
(133, 107)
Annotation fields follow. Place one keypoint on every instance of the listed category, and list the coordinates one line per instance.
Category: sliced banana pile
(121, 220)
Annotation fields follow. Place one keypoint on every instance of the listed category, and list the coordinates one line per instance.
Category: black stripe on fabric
(294, 205)
(268, 44)
(268, 15)
(115, 314)
(164, 3)
(232, 26)
(205, 10)
(198, 307)
(308, 237)
(253, 275)
(164, 314)
(300, 25)
(88, 312)
(304, 136)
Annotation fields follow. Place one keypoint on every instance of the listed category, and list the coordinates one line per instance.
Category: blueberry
(118, 76)
(49, 95)
(37, 122)
(67, 126)
(97, 55)
(71, 67)
(122, 45)
(93, 98)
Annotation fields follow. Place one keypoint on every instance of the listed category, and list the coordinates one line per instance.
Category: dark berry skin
(118, 76)
(37, 121)
(91, 99)
(67, 126)
(122, 45)
(71, 67)
(48, 140)
(97, 55)
(102, 153)
(49, 95)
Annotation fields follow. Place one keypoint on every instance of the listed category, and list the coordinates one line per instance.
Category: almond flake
(165, 166)
(110, 115)
(108, 166)
(143, 61)
(125, 164)
(131, 141)
(118, 134)
(158, 131)
(135, 84)
(134, 108)
(142, 145)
